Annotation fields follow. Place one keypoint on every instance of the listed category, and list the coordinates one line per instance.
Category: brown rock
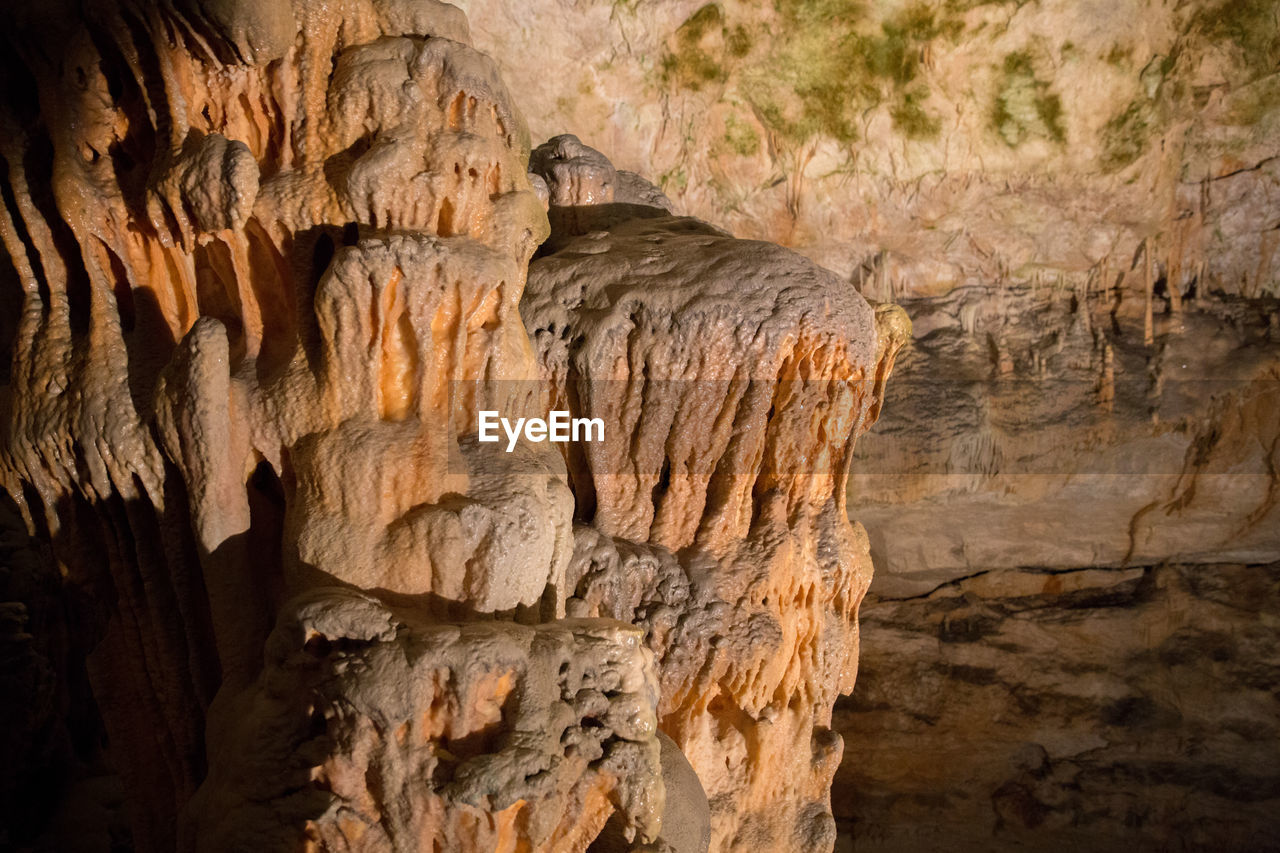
(268, 264)
(733, 378)
(1089, 709)
(365, 731)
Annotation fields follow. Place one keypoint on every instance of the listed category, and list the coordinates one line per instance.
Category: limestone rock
(266, 268)
(733, 378)
(686, 820)
(1088, 709)
(258, 32)
(1092, 450)
(1044, 454)
(264, 271)
(576, 175)
(219, 184)
(976, 141)
(366, 731)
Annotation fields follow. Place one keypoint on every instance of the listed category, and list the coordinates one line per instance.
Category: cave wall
(1095, 709)
(267, 586)
(1071, 494)
(919, 147)
(247, 253)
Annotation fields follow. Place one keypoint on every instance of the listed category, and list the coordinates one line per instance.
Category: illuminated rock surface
(265, 264)
(1077, 205)
(265, 270)
(734, 377)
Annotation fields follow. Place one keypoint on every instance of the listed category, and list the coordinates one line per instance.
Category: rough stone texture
(251, 272)
(367, 732)
(1041, 420)
(1077, 710)
(1077, 204)
(931, 145)
(734, 377)
(1039, 678)
(265, 264)
(686, 819)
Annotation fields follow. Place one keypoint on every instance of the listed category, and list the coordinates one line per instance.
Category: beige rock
(1095, 451)
(733, 378)
(365, 731)
(973, 141)
(265, 284)
(1076, 205)
(268, 266)
(686, 820)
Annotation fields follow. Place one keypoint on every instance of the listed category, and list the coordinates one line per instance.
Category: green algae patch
(959, 7)
(811, 82)
(740, 137)
(811, 68)
(1120, 55)
(697, 57)
(832, 62)
(1251, 26)
(1025, 106)
(912, 119)
(1127, 135)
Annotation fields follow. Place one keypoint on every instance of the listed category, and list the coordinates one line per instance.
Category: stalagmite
(269, 262)
(733, 376)
(1107, 385)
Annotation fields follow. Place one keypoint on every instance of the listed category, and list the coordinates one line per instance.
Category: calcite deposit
(734, 377)
(263, 587)
(1078, 205)
(374, 733)
(266, 266)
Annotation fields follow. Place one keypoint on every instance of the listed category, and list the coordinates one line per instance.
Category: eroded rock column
(733, 377)
(266, 270)
(255, 250)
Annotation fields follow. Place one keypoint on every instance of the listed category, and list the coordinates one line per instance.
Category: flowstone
(266, 269)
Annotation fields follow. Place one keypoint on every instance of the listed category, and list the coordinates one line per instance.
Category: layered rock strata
(1050, 526)
(1088, 709)
(1042, 420)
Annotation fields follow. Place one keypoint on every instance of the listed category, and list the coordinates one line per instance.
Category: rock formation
(919, 148)
(1079, 208)
(265, 271)
(733, 376)
(375, 733)
(1088, 709)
